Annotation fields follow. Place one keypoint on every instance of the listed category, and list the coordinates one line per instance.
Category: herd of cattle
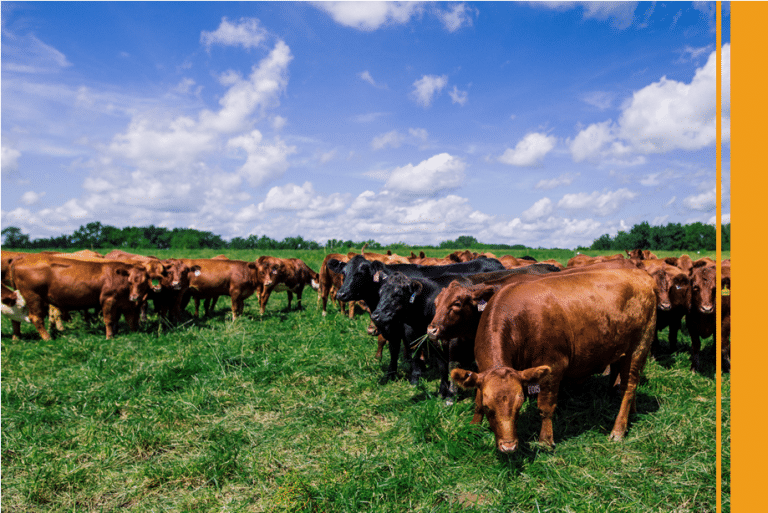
(521, 326)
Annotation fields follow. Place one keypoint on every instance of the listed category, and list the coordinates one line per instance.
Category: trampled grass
(286, 413)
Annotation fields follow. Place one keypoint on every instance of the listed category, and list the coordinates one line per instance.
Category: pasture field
(285, 412)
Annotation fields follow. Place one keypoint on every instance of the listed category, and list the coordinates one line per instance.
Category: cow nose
(707, 309)
(433, 331)
(665, 306)
(507, 446)
(375, 317)
(341, 296)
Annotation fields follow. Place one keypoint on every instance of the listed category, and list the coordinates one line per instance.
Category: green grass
(286, 413)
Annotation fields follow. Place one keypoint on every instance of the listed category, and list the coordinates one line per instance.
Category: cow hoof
(616, 436)
(325, 313)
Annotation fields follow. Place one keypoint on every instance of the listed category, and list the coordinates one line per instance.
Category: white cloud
(9, 159)
(392, 139)
(602, 100)
(457, 96)
(265, 162)
(529, 151)
(603, 204)
(31, 197)
(430, 176)
(565, 179)
(246, 32)
(620, 14)
(664, 116)
(704, 202)
(367, 77)
(457, 16)
(427, 87)
(540, 209)
(368, 16)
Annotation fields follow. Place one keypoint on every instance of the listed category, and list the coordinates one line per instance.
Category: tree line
(673, 236)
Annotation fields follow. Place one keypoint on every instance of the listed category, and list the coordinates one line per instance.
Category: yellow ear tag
(726, 291)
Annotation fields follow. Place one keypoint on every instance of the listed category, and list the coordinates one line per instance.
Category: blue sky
(520, 123)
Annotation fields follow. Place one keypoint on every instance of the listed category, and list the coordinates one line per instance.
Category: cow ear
(481, 297)
(534, 373)
(121, 271)
(195, 269)
(335, 266)
(466, 379)
(671, 261)
(251, 265)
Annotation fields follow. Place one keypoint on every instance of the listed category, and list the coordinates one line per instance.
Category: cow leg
(382, 342)
(394, 354)
(674, 327)
(290, 298)
(263, 300)
(695, 349)
(37, 321)
(16, 325)
(547, 402)
(298, 298)
(111, 317)
(197, 306)
(133, 316)
(56, 318)
(629, 381)
(416, 363)
(351, 306)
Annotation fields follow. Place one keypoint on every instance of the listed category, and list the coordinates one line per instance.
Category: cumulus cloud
(392, 139)
(602, 204)
(246, 32)
(457, 16)
(368, 16)
(529, 151)
(664, 116)
(427, 87)
(264, 162)
(602, 100)
(541, 208)
(9, 159)
(704, 202)
(31, 197)
(430, 176)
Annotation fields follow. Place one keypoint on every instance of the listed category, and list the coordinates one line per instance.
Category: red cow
(328, 281)
(700, 318)
(234, 278)
(279, 274)
(71, 284)
(673, 298)
(173, 288)
(640, 254)
(532, 335)
(582, 260)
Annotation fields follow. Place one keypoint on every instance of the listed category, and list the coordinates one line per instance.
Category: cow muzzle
(665, 307)
(707, 309)
(433, 331)
(506, 446)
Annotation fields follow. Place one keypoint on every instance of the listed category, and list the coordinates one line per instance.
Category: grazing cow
(532, 335)
(70, 284)
(15, 309)
(582, 260)
(700, 318)
(673, 299)
(217, 277)
(363, 279)
(406, 308)
(725, 315)
(284, 274)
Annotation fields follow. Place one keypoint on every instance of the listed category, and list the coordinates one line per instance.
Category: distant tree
(88, 236)
(602, 243)
(13, 238)
(725, 237)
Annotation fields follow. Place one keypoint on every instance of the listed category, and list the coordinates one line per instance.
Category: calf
(234, 278)
(673, 299)
(284, 274)
(173, 288)
(70, 284)
(700, 318)
(532, 335)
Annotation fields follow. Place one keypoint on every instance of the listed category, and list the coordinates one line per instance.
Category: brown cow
(640, 254)
(71, 284)
(328, 281)
(284, 274)
(700, 318)
(234, 278)
(173, 288)
(683, 262)
(534, 334)
(581, 260)
(673, 299)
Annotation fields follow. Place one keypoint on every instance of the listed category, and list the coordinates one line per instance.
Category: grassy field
(285, 413)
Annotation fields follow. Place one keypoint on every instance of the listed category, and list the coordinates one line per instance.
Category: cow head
(679, 288)
(176, 274)
(14, 306)
(455, 307)
(138, 281)
(500, 396)
(156, 272)
(359, 274)
(395, 294)
(703, 277)
(271, 270)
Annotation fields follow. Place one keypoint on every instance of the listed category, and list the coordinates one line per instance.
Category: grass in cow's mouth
(285, 413)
